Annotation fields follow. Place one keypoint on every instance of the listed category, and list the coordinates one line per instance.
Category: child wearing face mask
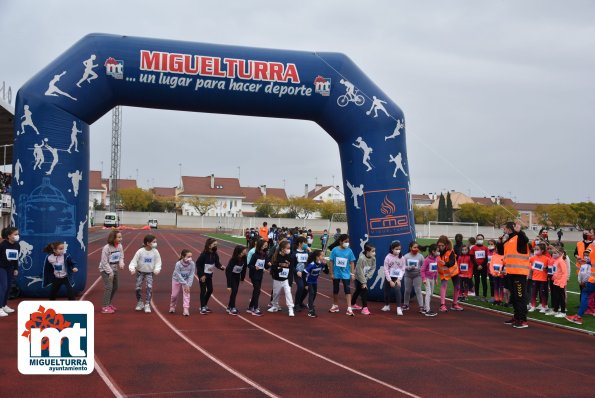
(448, 269)
(465, 272)
(112, 259)
(256, 266)
(364, 269)
(429, 273)
(181, 280)
(394, 269)
(58, 270)
(9, 262)
(539, 280)
(559, 278)
(281, 268)
(206, 262)
(145, 264)
(479, 261)
(342, 268)
(315, 265)
(496, 270)
(235, 273)
(413, 261)
(300, 260)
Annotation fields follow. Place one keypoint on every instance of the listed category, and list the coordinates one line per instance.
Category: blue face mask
(305, 246)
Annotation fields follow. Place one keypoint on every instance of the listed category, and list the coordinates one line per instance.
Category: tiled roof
(164, 192)
(313, 193)
(254, 193)
(202, 186)
(95, 182)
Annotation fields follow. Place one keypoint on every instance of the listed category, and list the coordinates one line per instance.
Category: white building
(226, 192)
(252, 194)
(326, 193)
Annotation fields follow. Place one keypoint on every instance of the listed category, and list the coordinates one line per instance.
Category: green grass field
(572, 289)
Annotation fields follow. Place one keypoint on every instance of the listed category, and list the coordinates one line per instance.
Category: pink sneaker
(365, 311)
(443, 308)
(113, 307)
(457, 307)
(356, 307)
(107, 310)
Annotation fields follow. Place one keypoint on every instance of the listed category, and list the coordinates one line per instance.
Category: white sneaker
(385, 308)
(273, 308)
(543, 310)
(560, 315)
(139, 306)
(399, 311)
(531, 309)
(549, 312)
(291, 312)
(2, 313)
(7, 309)
(147, 308)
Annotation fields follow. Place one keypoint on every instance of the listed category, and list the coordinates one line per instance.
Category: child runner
(587, 282)
(448, 270)
(560, 273)
(205, 263)
(58, 269)
(281, 268)
(429, 272)
(146, 263)
(413, 261)
(342, 261)
(479, 262)
(497, 271)
(182, 279)
(235, 273)
(9, 262)
(258, 263)
(315, 265)
(539, 284)
(465, 272)
(112, 258)
(300, 260)
(364, 270)
(394, 269)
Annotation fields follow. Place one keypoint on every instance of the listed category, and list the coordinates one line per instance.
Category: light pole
(239, 173)
(180, 182)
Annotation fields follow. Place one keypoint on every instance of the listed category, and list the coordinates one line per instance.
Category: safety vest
(497, 259)
(445, 272)
(580, 249)
(592, 258)
(516, 263)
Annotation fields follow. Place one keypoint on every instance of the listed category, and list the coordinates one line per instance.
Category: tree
(201, 205)
(97, 205)
(300, 207)
(473, 212)
(561, 214)
(135, 199)
(424, 214)
(269, 206)
(499, 215)
(584, 215)
(542, 213)
(327, 209)
(441, 208)
(449, 210)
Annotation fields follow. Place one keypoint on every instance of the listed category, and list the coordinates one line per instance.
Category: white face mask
(491, 247)
(537, 252)
(154, 245)
(555, 255)
(287, 251)
(479, 242)
(346, 245)
(16, 238)
(396, 252)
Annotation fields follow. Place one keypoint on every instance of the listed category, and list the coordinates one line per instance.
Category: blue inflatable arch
(55, 108)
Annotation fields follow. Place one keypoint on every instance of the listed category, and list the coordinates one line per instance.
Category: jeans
(392, 291)
(585, 293)
(110, 286)
(414, 283)
(430, 283)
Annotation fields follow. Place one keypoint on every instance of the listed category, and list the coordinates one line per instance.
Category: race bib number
(552, 270)
(412, 263)
(464, 267)
(237, 269)
(433, 267)
(58, 267)
(302, 257)
(283, 272)
(115, 257)
(310, 240)
(148, 260)
(260, 264)
(497, 267)
(396, 273)
(185, 275)
(12, 254)
(209, 268)
(480, 254)
(538, 266)
(367, 269)
(341, 262)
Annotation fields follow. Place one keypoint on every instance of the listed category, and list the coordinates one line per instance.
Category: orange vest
(537, 275)
(516, 263)
(592, 258)
(497, 259)
(580, 249)
(445, 272)
(264, 233)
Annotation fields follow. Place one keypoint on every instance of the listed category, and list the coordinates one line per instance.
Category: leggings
(558, 298)
(414, 283)
(389, 292)
(541, 288)
(57, 283)
(483, 276)
(256, 283)
(465, 285)
(111, 287)
(235, 286)
(360, 289)
(312, 290)
(301, 292)
(140, 278)
(456, 282)
(206, 289)
(5, 279)
(498, 289)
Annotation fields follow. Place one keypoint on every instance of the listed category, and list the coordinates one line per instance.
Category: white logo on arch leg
(27, 120)
(54, 91)
(75, 178)
(398, 161)
(377, 104)
(397, 131)
(361, 144)
(355, 192)
(89, 74)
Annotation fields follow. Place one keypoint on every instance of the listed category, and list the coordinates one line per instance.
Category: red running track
(219, 355)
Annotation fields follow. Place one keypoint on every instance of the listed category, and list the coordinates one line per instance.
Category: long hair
(111, 238)
(282, 246)
(208, 244)
(447, 243)
(314, 255)
(184, 252)
(259, 245)
(237, 251)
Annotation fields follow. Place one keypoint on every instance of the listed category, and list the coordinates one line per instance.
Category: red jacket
(479, 255)
(465, 259)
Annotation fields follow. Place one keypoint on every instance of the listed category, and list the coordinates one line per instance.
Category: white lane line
(192, 391)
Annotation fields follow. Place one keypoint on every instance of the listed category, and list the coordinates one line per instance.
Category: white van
(153, 223)
(111, 220)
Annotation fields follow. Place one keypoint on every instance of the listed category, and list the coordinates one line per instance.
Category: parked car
(111, 220)
(153, 223)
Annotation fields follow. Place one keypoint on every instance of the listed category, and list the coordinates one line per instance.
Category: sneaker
(203, 311)
(430, 313)
(250, 310)
(590, 312)
(257, 312)
(208, 310)
(457, 307)
(104, 310)
(399, 311)
(273, 308)
(312, 314)
(531, 309)
(511, 321)
(349, 312)
(7, 309)
(543, 310)
(139, 306)
(365, 311)
(147, 308)
(186, 312)
(386, 308)
(549, 312)
(462, 298)
(575, 319)
(233, 311)
(520, 325)
(405, 307)
(291, 313)
(356, 307)
(560, 315)
(422, 310)
(172, 310)
(3, 313)
(113, 307)
(228, 310)
(443, 308)
(334, 308)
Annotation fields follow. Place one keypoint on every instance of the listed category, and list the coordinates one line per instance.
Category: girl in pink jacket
(429, 273)
(394, 269)
(559, 279)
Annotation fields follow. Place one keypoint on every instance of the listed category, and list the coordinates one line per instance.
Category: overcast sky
(505, 90)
